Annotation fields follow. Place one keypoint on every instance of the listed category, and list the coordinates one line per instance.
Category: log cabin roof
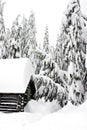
(15, 75)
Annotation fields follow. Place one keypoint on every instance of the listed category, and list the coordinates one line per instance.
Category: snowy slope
(68, 118)
(15, 74)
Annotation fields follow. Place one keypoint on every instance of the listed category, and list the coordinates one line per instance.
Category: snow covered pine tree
(2, 29)
(59, 52)
(14, 40)
(30, 36)
(51, 83)
(46, 41)
(24, 37)
(72, 28)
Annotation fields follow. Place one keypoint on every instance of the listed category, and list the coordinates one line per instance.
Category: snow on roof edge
(15, 75)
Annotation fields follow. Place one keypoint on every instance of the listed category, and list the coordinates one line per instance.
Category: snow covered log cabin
(15, 76)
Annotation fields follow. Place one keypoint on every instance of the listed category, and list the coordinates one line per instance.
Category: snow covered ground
(68, 118)
(41, 106)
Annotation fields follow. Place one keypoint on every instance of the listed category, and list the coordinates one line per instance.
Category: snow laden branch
(50, 90)
(51, 83)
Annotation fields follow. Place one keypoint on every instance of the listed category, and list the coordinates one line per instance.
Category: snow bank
(15, 75)
(42, 107)
(68, 118)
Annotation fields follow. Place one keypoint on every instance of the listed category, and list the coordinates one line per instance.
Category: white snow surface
(15, 75)
(41, 106)
(68, 118)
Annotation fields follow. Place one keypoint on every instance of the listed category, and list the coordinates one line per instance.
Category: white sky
(48, 12)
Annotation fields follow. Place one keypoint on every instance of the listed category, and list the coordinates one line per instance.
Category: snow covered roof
(15, 75)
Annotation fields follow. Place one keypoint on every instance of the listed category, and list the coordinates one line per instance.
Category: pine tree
(15, 39)
(52, 52)
(30, 35)
(32, 31)
(72, 31)
(46, 41)
(6, 45)
(59, 52)
(24, 37)
(2, 26)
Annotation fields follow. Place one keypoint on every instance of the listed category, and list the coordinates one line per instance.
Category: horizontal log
(17, 103)
(7, 104)
(12, 94)
(12, 98)
(11, 108)
(9, 101)
(8, 110)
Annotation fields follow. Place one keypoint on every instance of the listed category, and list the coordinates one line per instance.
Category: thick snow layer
(41, 106)
(68, 118)
(15, 75)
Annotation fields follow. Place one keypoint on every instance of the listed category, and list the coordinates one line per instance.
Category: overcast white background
(48, 12)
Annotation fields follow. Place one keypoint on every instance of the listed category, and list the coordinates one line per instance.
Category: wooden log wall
(11, 102)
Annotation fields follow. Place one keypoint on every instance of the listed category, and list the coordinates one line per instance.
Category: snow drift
(68, 118)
